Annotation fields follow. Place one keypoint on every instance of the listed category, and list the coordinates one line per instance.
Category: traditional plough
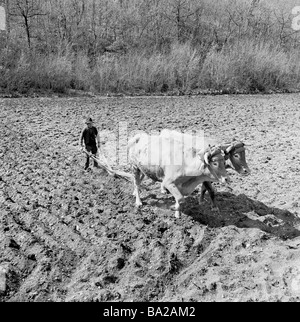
(103, 164)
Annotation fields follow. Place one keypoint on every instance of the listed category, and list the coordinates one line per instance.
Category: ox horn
(229, 148)
(206, 156)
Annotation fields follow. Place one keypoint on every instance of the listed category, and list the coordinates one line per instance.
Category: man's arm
(81, 138)
(98, 139)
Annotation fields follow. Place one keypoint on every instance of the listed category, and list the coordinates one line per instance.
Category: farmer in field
(91, 139)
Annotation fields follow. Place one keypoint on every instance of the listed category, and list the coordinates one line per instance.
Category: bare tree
(26, 10)
(181, 11)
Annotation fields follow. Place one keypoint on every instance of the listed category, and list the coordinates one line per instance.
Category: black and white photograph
(149, 153)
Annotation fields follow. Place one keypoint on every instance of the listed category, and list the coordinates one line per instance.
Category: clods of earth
(72, 235)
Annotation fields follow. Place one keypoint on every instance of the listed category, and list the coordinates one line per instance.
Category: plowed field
(71, 235)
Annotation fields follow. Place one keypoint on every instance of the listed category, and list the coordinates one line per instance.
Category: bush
(245, 66)
(81, 76)
(149, 73)
(250, 66)
(35, 72)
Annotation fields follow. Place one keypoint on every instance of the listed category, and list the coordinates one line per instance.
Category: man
(91, 139)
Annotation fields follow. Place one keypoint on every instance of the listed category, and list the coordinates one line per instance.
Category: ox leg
(207, 186)
(163, 190)
(203, 190)
(138, 177)
(177, 195)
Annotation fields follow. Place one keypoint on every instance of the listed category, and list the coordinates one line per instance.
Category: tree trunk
(27, 30)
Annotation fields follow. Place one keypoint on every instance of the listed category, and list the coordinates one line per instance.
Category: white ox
(181, 165)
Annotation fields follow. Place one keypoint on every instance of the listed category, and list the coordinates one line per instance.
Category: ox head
(214, 159)
(236, 157)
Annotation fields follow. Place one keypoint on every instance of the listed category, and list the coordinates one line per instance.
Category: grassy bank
(244, 66)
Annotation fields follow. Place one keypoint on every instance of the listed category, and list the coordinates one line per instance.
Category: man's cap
(89, 120)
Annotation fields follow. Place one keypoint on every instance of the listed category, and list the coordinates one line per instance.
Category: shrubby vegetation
(150, 46)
